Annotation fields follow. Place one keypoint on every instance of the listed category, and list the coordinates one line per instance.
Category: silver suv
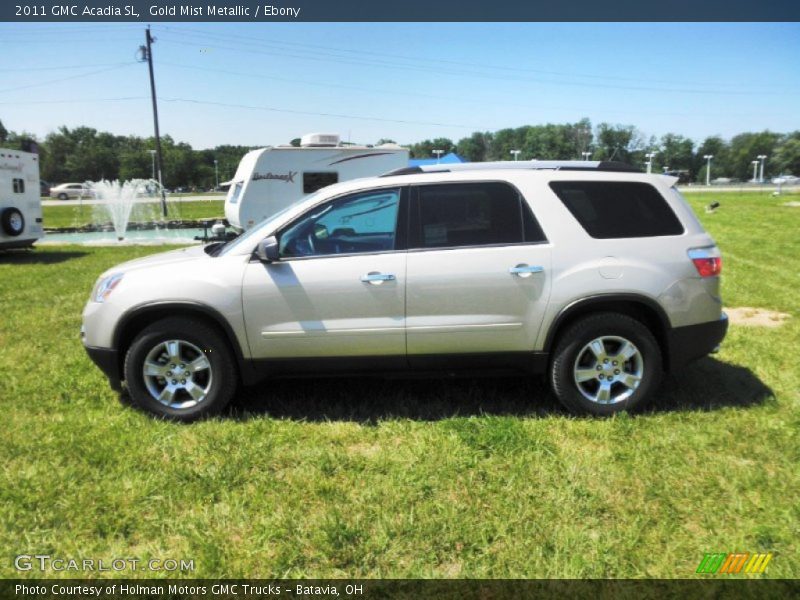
(594, 273)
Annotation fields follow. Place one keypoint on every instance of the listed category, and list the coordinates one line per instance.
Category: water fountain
(117, 200)
(127, 212)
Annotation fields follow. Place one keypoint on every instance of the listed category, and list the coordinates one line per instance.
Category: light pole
(755, 171)
(762, 158)
(216, 175)
(438, 154)
(708, 158)
(153, 155)
(515, 153)
(586, 155)
(649, 156)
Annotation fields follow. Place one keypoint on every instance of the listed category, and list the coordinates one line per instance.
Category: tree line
(625, 143)
(83, 153)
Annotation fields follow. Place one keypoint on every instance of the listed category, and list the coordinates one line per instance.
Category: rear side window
(616, 209)
(472, 214)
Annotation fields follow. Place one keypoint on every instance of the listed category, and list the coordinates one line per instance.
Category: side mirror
(267, 250)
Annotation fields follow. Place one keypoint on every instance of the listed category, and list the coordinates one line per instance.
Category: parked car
(44, 188)
(598, 276)
(67, 191)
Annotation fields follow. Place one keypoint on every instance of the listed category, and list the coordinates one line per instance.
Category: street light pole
(649, 156)
(216, 174)
(515, 153)
(755, 171)
(586, 155)
(438, 154)
(762, 158)
(708, 158)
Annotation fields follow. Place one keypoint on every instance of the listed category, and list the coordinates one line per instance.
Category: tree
(744, 149)
(506, 140)
(425, 148)
(787, 155)
(3, 133)
(677, 153)
(617, 142)
(475, 148)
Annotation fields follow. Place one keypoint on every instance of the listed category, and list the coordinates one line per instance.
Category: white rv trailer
(20, 199)
(272, 178)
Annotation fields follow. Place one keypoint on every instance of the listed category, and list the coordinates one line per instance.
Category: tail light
(707, 261)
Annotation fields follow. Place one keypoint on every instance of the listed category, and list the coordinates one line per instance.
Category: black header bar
(152, 11)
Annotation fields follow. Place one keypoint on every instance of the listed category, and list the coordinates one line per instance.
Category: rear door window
(472, 214)
(618, 209)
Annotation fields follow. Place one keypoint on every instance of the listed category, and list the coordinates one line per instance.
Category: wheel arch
(137, 318)
(643, 309)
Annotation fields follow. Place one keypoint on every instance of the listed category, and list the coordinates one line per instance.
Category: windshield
(257, 232)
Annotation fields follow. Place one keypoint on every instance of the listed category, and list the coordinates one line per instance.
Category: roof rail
(556, 165)
(402, 171)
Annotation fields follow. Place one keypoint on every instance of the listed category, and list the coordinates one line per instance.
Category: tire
(63, 196)
(605, 363)
(191, 368)
(12, 221)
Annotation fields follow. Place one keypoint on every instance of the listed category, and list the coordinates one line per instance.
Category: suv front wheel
(181, 369)
(605, 363)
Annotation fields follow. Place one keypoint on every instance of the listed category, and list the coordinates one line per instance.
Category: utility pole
(160, 158)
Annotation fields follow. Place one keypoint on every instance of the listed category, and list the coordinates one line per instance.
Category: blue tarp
(444, 160)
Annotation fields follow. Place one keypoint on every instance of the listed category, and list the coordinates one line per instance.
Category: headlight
(105, 286)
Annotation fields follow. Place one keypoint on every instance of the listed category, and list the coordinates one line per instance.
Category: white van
(272, 178)
(20, 200)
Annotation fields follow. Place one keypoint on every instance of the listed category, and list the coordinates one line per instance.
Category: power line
(385, 64)
(404, 93)
(75, 100)
(316, 114)
(59, 68)
(360, 60)
(70, 77)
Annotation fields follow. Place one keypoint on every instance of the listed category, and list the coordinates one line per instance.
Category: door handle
(523, 270)
(375, 278)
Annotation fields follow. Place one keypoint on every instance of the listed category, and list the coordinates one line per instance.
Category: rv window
(19, 186)
(237, 189)
(316, 181)
(364, 222)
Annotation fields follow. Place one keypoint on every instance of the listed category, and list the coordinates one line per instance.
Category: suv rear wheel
(180, 369)
(605, 363)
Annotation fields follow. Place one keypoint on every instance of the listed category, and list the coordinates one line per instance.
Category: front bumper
(107, 359)
(695, 341)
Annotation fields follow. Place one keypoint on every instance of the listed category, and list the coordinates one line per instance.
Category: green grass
(78, 215)
(465, 478)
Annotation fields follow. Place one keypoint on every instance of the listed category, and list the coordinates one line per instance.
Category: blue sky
(406, 81)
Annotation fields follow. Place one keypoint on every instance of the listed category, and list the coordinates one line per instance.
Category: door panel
(467, 300)
(320, 307)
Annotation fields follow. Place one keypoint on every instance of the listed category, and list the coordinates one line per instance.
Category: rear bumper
(695, 341)
(107, 359)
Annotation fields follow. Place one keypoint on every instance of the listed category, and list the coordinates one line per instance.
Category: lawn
(459, 478)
